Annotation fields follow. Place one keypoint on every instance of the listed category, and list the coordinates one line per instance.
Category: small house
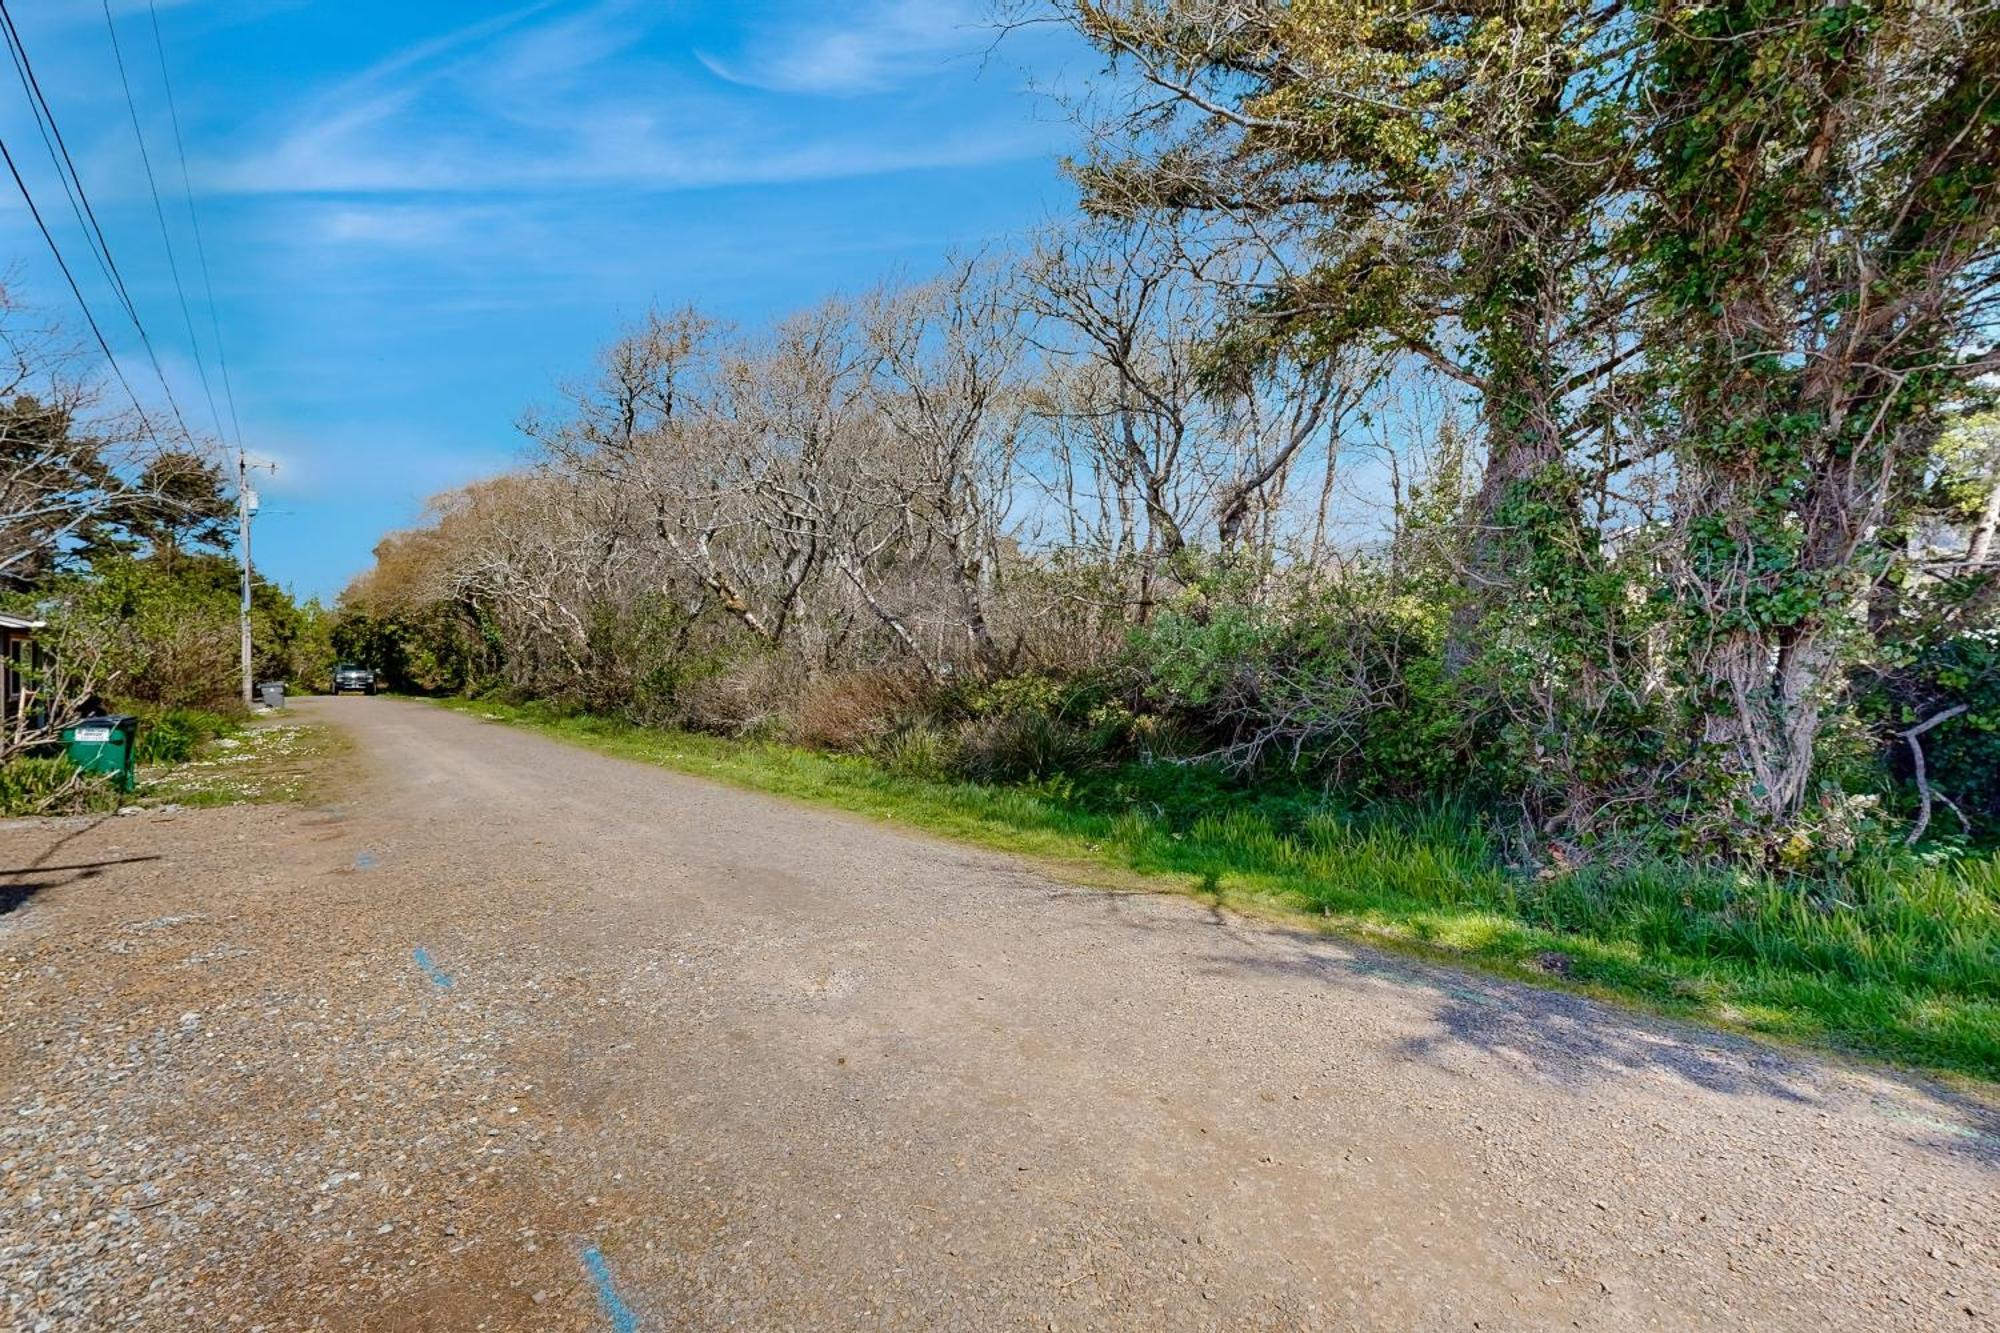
(19, 655)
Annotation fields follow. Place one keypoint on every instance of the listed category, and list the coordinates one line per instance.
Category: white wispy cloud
(868, 48)
(398, 225)
(535, 100)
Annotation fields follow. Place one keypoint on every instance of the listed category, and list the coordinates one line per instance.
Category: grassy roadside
(1903, 966)
(271, 759)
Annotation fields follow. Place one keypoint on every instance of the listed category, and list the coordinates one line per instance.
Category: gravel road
(517, 1036)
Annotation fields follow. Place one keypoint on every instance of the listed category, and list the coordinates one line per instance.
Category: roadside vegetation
(278, 758)
(1524, 484)
(115, 546)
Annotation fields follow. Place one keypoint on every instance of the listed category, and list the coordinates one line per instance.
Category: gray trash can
(272, 692)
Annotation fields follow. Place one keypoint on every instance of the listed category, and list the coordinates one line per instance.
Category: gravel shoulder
(517, 1036)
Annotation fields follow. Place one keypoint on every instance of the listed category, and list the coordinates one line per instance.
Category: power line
(93, 235)
(28, 197)
(72, 183)
(194, 220)
(160, 213)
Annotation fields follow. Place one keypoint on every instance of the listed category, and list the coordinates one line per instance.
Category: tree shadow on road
(1471, 1023)
(19, 885)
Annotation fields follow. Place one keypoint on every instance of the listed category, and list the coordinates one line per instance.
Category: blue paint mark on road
(437, 974)
(364, 861)
(615, 1309)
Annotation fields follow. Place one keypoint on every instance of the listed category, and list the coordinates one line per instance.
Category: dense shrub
(52, 785)
(176, 643)
(922, 750)
(161, 635)
(851, 710)
(172, 735)
(1338, 679)
(1036, 727)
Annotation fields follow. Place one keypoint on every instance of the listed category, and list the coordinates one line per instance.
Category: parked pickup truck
(347, 677)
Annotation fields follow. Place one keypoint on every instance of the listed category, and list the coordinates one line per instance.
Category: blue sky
(422, 216)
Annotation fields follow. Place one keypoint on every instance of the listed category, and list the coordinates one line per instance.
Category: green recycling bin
(105, 745)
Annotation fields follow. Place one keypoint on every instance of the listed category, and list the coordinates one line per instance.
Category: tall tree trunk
(1521, 301)
(1763, 716)
(1524, 445)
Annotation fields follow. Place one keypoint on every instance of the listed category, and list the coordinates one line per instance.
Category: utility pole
(246, 505)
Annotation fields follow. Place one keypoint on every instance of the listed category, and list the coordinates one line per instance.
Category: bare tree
(946, 360)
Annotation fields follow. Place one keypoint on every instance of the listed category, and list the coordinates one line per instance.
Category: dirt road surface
(516, 1036)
